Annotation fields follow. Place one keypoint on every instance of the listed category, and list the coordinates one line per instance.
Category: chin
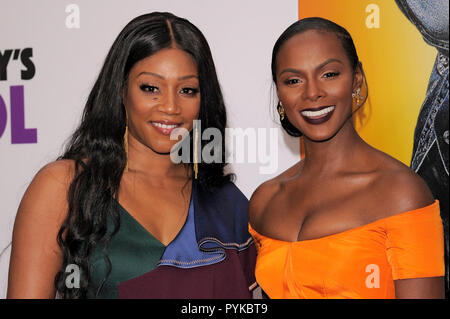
(324, 132)
(162, 148)
(319, 136)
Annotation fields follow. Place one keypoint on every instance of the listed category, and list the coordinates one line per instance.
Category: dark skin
(163, 86)
(154, 190)
(344, 182)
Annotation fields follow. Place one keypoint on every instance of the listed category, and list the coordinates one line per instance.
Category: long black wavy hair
(97, 146)
(319, 24)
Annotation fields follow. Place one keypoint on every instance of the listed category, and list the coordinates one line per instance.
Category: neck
(143, 159)
(333, 155)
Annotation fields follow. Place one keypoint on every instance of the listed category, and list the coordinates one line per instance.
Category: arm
(420, 288)
(35, 255)
(418, 195)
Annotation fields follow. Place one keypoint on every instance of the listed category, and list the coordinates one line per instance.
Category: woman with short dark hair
(347, 221)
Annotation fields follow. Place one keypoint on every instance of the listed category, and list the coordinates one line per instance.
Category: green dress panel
(132, 250)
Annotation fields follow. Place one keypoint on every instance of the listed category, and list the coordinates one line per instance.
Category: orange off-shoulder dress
(362, 262)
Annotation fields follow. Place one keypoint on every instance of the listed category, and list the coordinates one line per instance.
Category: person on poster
(431, 137)
(347, 221)
(115, 216)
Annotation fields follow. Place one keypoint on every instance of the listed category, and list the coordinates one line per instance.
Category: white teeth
(166, 126)
(318, 113)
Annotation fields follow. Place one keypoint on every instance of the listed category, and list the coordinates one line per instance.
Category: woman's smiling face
(162, 94)
(315, 82)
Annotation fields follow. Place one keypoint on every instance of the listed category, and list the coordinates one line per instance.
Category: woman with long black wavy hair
(115, 216)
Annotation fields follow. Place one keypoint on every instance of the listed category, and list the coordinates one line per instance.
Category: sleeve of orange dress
(415, 243)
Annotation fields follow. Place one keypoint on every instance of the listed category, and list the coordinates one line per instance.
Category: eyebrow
(185, 77)
(321, 65)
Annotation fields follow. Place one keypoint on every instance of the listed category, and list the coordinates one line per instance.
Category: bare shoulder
(39, 218)
(48, 189)
(400, 189)
(53, 177)
(266, 191)
(61, 171)
(260, 197)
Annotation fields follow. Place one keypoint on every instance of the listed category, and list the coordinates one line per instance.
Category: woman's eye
(149, 88)
(291, 81)
(189, 91)
(331, 74)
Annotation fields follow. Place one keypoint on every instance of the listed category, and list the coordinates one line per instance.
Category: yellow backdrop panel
(396, 61)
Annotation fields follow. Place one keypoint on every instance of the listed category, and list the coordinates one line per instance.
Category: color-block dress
(213, 255)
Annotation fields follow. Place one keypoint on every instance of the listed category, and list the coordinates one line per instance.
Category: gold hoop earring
(281, 111)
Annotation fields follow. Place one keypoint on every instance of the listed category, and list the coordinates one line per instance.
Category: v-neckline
(123, 209)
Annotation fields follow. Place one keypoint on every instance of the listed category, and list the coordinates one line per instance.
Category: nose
(169, 104)
(312, 91)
